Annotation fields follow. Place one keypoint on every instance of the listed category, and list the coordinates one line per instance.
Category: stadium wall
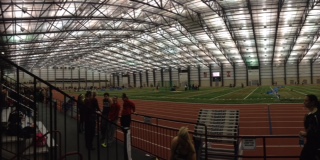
(290, 74)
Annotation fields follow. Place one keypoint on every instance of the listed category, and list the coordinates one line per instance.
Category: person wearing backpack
(312, 129)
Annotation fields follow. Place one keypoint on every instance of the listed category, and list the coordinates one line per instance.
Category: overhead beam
(309, 6)
(217, 8)
(156, 47)
(315, 57)
(314, 39)
(255, 38)
(172, 7)
(254, 33)
(280, 4)
(33, 33)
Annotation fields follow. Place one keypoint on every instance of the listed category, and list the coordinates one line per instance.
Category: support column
(71, 77)
(63, 77)
(311, 71)
(260, 83)
(298, 73)
(79, 85)
(234, 74)
(147, 79)
(55, 76)
(285, 73)
(170, 76)
(179, 71)
(86, 78)
(210, 74)
(113, 79)
(222, 77)
(47, 73)
(161, 74)
(39, 76)
(140, 78)
(154, 77)
(100, 80)
(188, 76)
(92, 78)
(128, 80)
(247, 76)
(106, 80)
(272, 76)
(134, 80)
(118, 80)
(199, 75)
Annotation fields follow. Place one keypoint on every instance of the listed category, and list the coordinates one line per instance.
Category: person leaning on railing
(311, 148)
(182, 147)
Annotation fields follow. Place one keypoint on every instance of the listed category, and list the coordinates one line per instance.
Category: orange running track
(255, 120)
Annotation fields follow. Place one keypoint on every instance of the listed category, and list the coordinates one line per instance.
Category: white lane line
(299, 92)
(225, 94)
(250, 93)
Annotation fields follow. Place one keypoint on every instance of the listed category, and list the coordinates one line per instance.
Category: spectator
(182, 146)
(81, 111)
(105, 113)
(113, 120)
(312, 129)
(127, 110)
(91, 107)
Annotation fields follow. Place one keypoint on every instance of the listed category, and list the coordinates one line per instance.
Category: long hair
(184, 138)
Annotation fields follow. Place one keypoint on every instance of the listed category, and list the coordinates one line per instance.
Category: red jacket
(114, 112)
(128, 108)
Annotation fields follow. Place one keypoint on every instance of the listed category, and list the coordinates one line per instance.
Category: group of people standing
(89, 110)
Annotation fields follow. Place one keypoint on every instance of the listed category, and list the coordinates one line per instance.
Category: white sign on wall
(248, 144)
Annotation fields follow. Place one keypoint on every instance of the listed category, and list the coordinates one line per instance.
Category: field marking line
(250, 93)
(297, 91)
(203, 93)
(225, 94)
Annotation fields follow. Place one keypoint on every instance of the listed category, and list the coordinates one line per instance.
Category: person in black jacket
(81, 112)
(91, 107)
(312, 129)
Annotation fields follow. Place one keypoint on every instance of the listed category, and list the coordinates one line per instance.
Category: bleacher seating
(219, 123)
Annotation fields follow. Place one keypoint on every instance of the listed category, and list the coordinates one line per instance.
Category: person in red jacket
(128, 108)
(112, 120)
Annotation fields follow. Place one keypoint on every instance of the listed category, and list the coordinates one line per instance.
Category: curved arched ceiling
(135, 35)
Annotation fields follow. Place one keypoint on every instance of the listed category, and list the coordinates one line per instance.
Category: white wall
(240, 71)
(240, 75)
(291, 71)
(194, 76)
(205, 76)
(253, 77)
(266, 75)
(175, 77)
(278, 74)
(227, 79)
(316, 72)
(304, 72)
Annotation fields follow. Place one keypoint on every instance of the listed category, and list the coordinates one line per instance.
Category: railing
(45, 111)
(80, 157)
(148, 133)
(162, 131)
(153, 135)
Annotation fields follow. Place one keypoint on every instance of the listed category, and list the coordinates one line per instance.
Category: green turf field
(221, 95)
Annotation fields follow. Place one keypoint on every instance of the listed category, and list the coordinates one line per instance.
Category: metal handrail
(71, 154)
